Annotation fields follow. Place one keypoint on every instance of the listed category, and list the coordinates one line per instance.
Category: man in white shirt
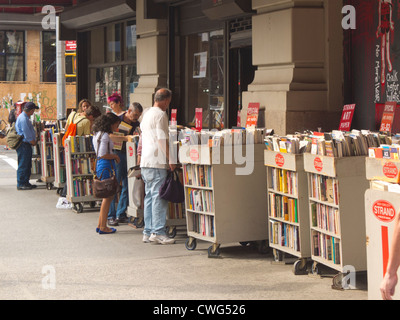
(155, 162)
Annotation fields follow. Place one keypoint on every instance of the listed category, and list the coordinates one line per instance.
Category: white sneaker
(146, 238)
(161, 239)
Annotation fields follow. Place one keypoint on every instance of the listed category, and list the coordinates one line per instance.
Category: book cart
(336, 188)
(47, 158)
(381, 208)
(59, 162)
(289, 221)
(135, 213)
(176, 212)
(222, 206)
(80, 159)
(36, 172)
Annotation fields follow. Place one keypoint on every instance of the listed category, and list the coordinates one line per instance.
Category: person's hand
(173, 167)
(388, 286)
(117, 159)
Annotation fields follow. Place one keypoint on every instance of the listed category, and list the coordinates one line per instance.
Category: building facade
(218, 55)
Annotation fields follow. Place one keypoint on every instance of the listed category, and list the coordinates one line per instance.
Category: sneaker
(161, 239)
(146, 238)
(112, 222)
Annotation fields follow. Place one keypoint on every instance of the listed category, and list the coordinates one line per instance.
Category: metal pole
(60, 48)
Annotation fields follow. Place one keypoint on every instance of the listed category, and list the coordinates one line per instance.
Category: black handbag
(172, 189)
(106, 188)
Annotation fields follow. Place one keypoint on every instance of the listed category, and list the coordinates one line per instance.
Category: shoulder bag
(14, 140)
(172, 189)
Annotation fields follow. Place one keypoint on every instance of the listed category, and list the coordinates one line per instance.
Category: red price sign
(173, 116)
(252, 115)
(388, 117)
(199, 119)
(347, 117)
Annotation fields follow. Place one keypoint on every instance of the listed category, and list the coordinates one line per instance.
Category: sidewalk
(42, 245)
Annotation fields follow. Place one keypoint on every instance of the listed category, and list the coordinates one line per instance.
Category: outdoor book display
(222, 205)
(60, 173)
(36, 172)
(80, 159)
(289, 223)
(382, 204)
(47, 157)
(336, 188)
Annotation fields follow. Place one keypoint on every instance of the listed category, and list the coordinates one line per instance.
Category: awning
(92, 13)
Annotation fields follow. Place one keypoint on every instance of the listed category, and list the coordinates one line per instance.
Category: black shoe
(24, 188)
(33, 186)
(112, 222)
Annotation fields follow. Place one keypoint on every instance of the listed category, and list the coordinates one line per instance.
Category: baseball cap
(30, 106)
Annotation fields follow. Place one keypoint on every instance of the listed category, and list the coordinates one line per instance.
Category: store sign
(70, 45)
(194, 155)
(388, 117)
(252, 115)
(384, 211)
(174, 116)
(347, 117)
(279, 160)
(318, 164)
(390, 170)
(199, 119)
(130, 149)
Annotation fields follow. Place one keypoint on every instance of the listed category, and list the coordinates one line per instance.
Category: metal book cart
(223, 206)
(289, 221)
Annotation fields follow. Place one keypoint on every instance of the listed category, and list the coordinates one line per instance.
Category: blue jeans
(24, 153)
(155, 208)
(122, 177)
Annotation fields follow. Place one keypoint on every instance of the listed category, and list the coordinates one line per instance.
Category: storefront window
(113, 34)
(12, 56)
(205, 78)
(49, 52)
(113, 70)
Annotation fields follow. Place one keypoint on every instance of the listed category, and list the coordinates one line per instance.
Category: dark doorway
(241, 74)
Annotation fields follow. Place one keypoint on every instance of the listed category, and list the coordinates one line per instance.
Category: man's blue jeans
(24, 153)
(122, 177)
(155, 208)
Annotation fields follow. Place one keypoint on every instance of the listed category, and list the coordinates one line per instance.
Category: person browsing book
(129, 125)
(24, 127)
(115, 103)
(83, 120)
(106, 161)
(155, 161)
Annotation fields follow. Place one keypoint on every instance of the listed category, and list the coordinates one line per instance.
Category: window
(205, 78)
(12, 56)
(49, 52)
(112, 66)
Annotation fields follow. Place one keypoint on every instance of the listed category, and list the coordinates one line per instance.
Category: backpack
(14, 140)
(71, 130)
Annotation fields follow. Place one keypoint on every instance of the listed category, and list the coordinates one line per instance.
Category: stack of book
(336, 144)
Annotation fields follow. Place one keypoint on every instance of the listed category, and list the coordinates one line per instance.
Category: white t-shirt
(154, 127)
(106, 144)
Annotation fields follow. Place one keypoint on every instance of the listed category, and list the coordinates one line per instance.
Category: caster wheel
(191, 244)
(315, 269)
(278, 256)
(213, 251)
(59, 190)
(337, 282)
(139, 223)
(49, 186)
(92, 204)
(300, 267)
(171, 232)
(78, 207)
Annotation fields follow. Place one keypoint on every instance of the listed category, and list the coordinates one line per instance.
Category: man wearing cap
(25, 128)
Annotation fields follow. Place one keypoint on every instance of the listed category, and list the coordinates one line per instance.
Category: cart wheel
(300, 267)
(191, 244)
(49, 186)
(139, 223)
(92, 204)
(59, 190)
(337, 282)
(78, 207)
(314, 268)
(213, 251)
(278, 256)
(171, 232)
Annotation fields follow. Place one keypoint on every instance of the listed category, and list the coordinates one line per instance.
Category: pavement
(55, 254)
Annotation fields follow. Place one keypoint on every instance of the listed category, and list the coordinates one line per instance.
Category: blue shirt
(25, 128)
